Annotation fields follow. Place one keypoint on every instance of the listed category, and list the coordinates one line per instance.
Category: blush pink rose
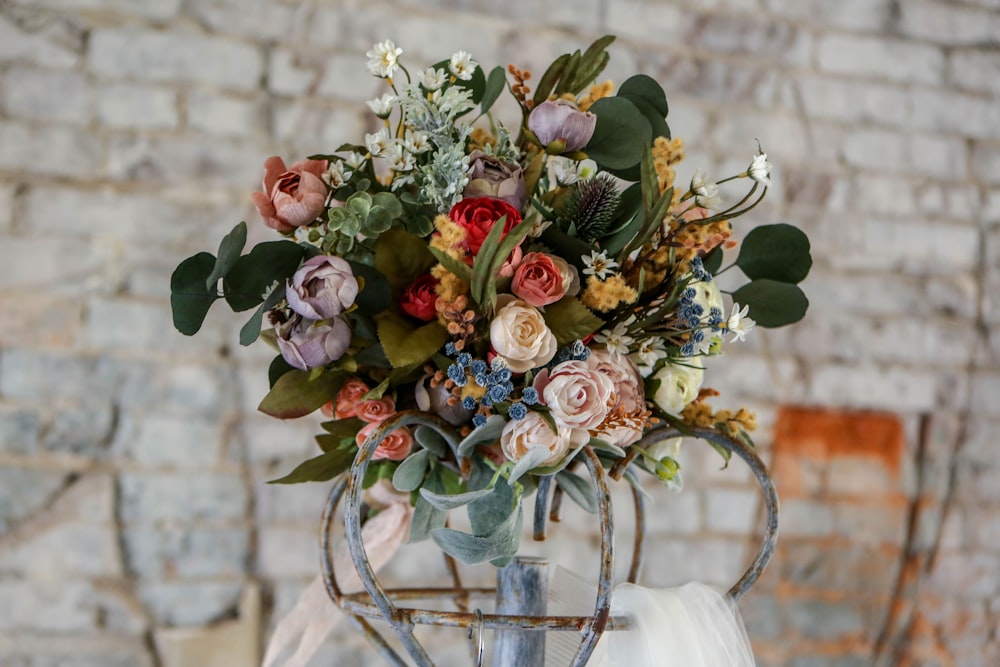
(293, 196)
(348, 398)
(577, 395)
(395, 446)
(374, 411)
(519, 436)
(629, 401)
(538, 280)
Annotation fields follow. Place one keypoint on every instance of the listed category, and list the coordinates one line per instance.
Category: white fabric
(690, 626)
(314, 614)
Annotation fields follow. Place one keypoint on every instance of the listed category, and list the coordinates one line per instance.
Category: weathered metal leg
(522, 589)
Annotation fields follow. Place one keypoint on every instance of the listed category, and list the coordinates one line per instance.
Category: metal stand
(522, 589)
(378, 603)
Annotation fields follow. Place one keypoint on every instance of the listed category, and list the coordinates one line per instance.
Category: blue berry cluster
(698, 270)
(690, 312)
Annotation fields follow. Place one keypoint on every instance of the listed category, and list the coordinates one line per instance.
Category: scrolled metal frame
(375, 602)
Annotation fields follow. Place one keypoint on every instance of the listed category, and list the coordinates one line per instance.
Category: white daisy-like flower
(706, 194)
(760, 170)
(398, 157)
(616, 340)
(738, 323)
(384, 59)
(417, 142)
(382, 106)
(565, 171)
(378, 143)
(649, 352)
(598, 264)
(355, 160)
(462, 65)
(335, 174)
(432, 78)
(538, 226)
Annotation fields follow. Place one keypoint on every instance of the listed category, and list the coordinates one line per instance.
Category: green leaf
(713, 260)
(406, 346)
(343, 428)
(375, 295)
(777, 252)
(579, 489)
(486, 434)
(449, 502)
(410, 473)
(646, 88)
(620, 135)
(229, 251)
(533, 458)
(657, 125)
(251, 330)
(426, 517)
(549, 79)
(255, 272)
(494, 86)
(430, 439)
(772, 303)
(570, 320)
(323, 468)
(295, 395)
(484, 259)
(568, 247)
(497, 255)
(603, 446)
(499, 543)
(402, 257)
(278, 368)
(189, 298)
(461, 270)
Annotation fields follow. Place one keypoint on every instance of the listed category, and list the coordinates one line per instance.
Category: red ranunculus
(419, 298)
(477, 215)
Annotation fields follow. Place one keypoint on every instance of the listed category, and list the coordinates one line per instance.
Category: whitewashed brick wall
(133, 466)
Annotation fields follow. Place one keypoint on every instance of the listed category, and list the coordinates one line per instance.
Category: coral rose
(376, 410)
(395, 446)
(348, 398)
(293, 196)
(538, 280)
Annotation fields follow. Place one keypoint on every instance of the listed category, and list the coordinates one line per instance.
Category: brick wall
(133, 465)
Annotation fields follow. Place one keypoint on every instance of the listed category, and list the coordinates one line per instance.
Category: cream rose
(521, 435)
(679, 385)
(520, 337)
(708, 296)
(629, 402)
(577, 395)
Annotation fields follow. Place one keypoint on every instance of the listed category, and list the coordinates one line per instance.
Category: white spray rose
(679, 385)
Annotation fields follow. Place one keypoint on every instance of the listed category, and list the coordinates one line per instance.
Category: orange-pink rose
(346, 403)
(538, 280)
(395, 446)
(374, 411)
(293, 196)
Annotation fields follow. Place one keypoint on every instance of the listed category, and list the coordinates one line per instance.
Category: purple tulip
(322, 288)
(309, 344)
(561, 121)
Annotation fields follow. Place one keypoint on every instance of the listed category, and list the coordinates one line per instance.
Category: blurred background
(135, 517)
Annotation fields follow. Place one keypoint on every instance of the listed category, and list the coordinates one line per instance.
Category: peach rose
(375, 411)
(577, 395)
(346, 403)
(629, 403)
(293, 196)
(521, 435)
(519, 335)
(538, 280)
(395, 446)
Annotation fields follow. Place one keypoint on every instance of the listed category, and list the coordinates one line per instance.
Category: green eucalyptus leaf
(579, 489)
(620, 135)
(570, 320)
(254, 273)
(495, 83)
(778, 252)
(410, 473)
(189, 298)
(296, 395)
(646, 88)
(251, 330)
(229, 252)
(713, 260)
(389, 203)
(323, 468)
(772, 303)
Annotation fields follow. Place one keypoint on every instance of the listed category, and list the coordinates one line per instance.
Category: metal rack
(376, 602)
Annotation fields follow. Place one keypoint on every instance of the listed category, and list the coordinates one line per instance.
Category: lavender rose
(308, 344)
(489, 176)
(561, 127)
(322, 288)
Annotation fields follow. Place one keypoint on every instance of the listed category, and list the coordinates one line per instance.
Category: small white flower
(738, 323)
(760, 170)
(432, 78)
(649, 352)
(355, 160)
(335, 174)
(565, 171)
(382, 106)
(538, 226)
(598, 264)
(417, 142)
(384, 59)
(616, 340)
(462, 65)
(706, 195)
(399, 159)
(378, 143)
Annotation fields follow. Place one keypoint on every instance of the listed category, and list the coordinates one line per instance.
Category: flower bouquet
(537, 289)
